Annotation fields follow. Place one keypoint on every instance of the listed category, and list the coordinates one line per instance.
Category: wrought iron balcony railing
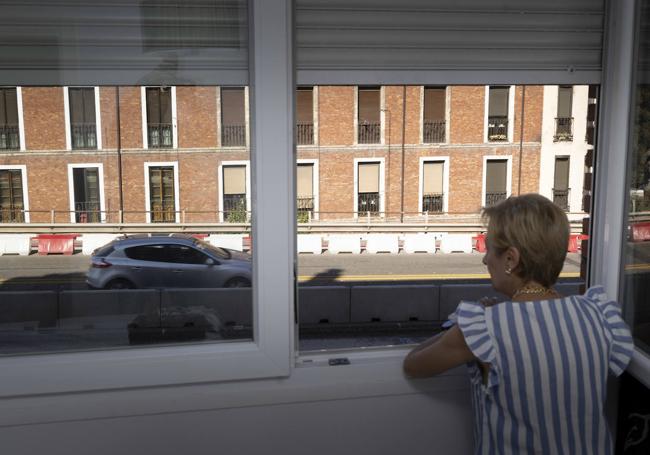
(163, 213)
(561, 198)
(160, 135)
(563, 129)
(368, 203)
(497, 129)
(87, 212)
(305, 209)
(369, 133)
(432, 202)
(84, 136)
(494, 198)
(9, 138)
(234, 208)
(433, 132)
(305, 133)
(233, 135)
(12, 214)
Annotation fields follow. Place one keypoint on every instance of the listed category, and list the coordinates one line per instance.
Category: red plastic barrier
(480, 243)
(200, 236)
(640, 232)
(56, 243)
(573, 242)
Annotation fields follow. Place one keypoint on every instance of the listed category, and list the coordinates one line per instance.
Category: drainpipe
(401, 205)
(521, 138)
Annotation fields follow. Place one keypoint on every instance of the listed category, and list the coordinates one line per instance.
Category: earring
(508, 270)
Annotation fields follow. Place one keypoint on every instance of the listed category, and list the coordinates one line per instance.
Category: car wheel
(119, 283)
(238, 282)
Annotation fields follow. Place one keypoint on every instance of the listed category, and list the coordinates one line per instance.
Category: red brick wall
(44, 117)
(196, 110)
(467, 114)
(336, 115)
(107, 103)
(131, 117)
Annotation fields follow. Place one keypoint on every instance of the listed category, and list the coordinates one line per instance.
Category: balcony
(160, 135)
(497, 129)
(433, 132)
(12, 214)
(561, 198)
(234, 208)
(305, 133)
(9, 138)
(493, 198)
(563, 129)
(432, 202)
(84, 136)
(163, 213)
(87, 212)
(368, 203)
(305, 209)
(369, 133)
(233, 135)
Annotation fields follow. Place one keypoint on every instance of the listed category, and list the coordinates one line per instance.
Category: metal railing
(305, 133)
(12, 214)
(563, 129)
(84, 135)
(368, 203)
(432, 202)
(9, 137)
(87, 212)
(305, 209)
(494, 198)
(161, 213)
(233, 135)
(160, 135)
(561, 198)
(369, 133)
(234, 208)
(433, 131)
(497, 129)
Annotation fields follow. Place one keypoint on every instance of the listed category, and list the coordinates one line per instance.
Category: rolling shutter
(368, 177)
(432, 178)
(234, 180)
(305, 178)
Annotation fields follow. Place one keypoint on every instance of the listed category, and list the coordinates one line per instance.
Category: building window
(305, 116)
(498, 114)
(9, 129)
(162, 201)
(87, 205)
(160, 133)
(12, 206)
(561, 188)
(83, 126)
(564, 119)
(369, 122)
(235, 209)
(368, 200)
(233, 117)
(305, 192)
(432, 187)
(433, 118)
(496, 181)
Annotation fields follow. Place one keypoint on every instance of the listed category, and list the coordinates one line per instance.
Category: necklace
(529, 289)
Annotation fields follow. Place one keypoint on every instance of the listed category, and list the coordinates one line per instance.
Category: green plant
(302, 216)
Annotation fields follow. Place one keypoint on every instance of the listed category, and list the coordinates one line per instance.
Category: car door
(147, 265)
(190, 268)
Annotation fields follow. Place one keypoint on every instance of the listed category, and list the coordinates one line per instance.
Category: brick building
(180, 154)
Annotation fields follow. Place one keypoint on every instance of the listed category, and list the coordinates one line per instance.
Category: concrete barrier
(90, 242)
(28, 309)
(310, 243)
(420, 243)
(394, 303)
(344, 244)
(323, 304)
(452, 294)
(15, 244)
(211, 309)
(456, 243)
(231, 241)
(382, 243)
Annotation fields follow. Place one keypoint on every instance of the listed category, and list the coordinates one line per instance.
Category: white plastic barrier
(90, 242)
(231, 241)
(382, 243)
(456, 243)
(310, 243)
(420, 243)
(344, 244)
(15, 244)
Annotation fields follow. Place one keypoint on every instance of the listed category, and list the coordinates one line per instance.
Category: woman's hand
(438, 354)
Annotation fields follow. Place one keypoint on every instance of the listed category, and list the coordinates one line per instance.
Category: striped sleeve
(622, 345)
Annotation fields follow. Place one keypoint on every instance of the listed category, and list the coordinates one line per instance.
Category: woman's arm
(438, 354)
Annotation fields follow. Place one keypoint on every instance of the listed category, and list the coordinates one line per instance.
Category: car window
(215, 250)
(183, 254)
(154, 253)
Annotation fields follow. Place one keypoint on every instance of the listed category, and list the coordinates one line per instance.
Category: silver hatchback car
(167, 261)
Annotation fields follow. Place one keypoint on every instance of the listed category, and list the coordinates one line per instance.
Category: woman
(538, 362)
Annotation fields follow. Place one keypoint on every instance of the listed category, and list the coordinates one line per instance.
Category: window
(305, 116)
(561, 182)
(234, 194)
(9, 127)
(368, 190)
(564, 119)
(434, 114)
(433, 182)
(498, 108)
(160, 129)
(369, 120)
(86, 193)
(305, 192)
(83, 125)
(233, 117)
(12, 206)
(162, 194)
(497, 176)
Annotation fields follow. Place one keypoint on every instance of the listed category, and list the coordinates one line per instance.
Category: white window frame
(21, 120)
(445, 180)
(314, 109)
(143, 105)
(220, 182)
(382, 188)
(314, 183)
(382, 116)
(447, 115)
(511, 115)
(487, 158)
(147, 200)
(98, 117)
(23, 174)
(100, 177)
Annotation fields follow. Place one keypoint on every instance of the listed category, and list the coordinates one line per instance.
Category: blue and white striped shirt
(546, 386)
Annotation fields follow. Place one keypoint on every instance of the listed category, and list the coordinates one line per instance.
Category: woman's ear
(512, 257)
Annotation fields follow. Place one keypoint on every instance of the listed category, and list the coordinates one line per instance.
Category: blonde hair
(538, 228)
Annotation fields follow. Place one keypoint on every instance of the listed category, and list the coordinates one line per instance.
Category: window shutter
(369, 105)
(153, 105)
(234, 180)
(564, 101)
(305, 105)
(233, 106)
(561, 181)
(434, 104)
(305, 180)
(8, 107)
(496, 176)
(433, 178)
(498, 102)
(368, 177)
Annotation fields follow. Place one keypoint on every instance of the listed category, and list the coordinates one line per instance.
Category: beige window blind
(234, 180)
(368, 177)
(433, 175)
(305, 175)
